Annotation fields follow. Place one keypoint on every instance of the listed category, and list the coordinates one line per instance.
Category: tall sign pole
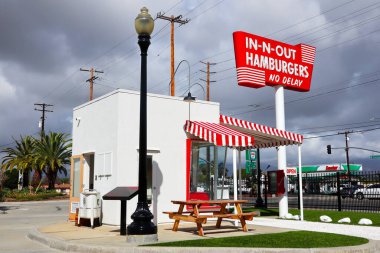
(264, 62)
(281, 150)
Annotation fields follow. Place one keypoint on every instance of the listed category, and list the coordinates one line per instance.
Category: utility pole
(43, 109)
(346, 133)
(91, 79)
(172, 20)
(208, 81)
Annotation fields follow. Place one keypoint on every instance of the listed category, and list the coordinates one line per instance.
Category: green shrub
(11, 179)
(25, 195)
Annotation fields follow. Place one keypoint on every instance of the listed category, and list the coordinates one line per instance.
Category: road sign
(250, 160)
(249, 166)
(374, 156)
(250, 154)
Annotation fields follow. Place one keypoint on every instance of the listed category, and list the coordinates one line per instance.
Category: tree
(20, 157)
(52, 153)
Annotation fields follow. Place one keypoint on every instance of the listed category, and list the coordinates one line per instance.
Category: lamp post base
(141, 239)
(142, 224)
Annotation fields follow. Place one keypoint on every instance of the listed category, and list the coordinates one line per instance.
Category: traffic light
(329, 149)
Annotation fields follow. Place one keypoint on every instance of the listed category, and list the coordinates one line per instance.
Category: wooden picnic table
(216, 208)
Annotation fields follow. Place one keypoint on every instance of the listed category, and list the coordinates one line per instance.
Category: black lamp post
(142, 218)
(259, 199)
(189, 98)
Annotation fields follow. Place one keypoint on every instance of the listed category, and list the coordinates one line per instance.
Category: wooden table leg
(176, 223)
(200, 229)
(199, 225)
(242, 220)
(222, 211)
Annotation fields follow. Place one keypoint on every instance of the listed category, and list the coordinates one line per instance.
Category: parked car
(342, 186)
(349, 191)
(370, 192)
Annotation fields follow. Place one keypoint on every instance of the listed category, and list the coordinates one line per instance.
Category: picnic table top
(200, 202)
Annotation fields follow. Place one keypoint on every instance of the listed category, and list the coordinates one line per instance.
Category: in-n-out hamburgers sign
(261, 61)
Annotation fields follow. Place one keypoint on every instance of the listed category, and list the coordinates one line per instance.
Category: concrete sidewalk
(106, 239)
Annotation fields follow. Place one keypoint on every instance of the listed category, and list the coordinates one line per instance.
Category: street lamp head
(189, 98)
(144, 23)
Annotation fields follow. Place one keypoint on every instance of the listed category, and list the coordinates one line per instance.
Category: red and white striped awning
(265, 136)
(218, 134)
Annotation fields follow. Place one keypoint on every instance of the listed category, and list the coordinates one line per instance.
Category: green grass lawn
(292, 239)
(313, 215)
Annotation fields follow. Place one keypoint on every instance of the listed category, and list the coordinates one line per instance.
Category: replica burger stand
(183, 155)
(185, 145)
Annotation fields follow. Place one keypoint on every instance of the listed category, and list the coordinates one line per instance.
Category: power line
(331, 23)
(312, 96)
(325, 37)
(345, 29)
(213, 6)
(347, 124)
(341, 129)
(310, 18)
(286, 28)
(328, 135)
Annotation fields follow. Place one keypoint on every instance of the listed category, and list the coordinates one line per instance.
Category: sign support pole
(281, 151)
(239, 167)
(234, 155)
(300, 187)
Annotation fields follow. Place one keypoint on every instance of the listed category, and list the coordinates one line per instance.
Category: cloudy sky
(44, 43)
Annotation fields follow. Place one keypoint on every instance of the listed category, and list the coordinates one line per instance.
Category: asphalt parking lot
(17, 219)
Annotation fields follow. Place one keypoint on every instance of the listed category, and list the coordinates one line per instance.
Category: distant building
(324, 168)
(322, 179)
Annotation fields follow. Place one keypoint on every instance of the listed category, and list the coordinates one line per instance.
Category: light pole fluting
(142, 217)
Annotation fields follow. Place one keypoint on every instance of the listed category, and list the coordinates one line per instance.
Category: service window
(207, 160)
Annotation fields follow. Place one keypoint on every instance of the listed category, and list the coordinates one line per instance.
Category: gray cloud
(44, 43)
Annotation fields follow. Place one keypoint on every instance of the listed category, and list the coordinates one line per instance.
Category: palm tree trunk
(25, 180)
(52, 176)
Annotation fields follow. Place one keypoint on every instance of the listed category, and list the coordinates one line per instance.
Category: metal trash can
(90, 206)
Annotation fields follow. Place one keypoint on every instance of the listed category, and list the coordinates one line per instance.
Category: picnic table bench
(215, 209)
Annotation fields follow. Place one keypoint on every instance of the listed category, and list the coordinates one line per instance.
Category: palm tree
(19, 157)
(52, 153)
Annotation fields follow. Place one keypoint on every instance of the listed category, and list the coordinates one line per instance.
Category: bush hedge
(25, 195)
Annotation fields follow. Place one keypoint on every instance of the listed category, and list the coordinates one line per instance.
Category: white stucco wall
(111, 124)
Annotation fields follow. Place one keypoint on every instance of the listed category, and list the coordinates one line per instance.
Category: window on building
(104, 164)
(208, 160)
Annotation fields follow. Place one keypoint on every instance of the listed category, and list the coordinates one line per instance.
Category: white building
(182, 156)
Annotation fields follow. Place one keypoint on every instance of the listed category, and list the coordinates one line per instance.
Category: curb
(371, 247)
(69, 246)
